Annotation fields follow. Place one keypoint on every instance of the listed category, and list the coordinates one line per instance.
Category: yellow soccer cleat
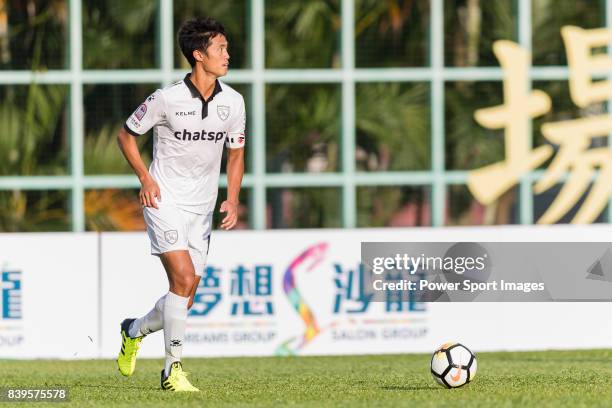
(177, 379)
(129, 348)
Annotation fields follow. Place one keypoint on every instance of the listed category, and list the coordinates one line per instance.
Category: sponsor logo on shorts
(141, 111)
(223, 111)
(175, 343)
(171, 236)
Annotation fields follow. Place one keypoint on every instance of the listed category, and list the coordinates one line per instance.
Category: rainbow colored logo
(309, 259)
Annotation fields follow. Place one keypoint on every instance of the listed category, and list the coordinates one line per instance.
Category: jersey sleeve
(150, 113)
(236, 134)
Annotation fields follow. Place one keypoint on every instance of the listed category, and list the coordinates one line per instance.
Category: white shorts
(171, 228)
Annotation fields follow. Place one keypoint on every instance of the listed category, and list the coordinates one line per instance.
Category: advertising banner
(302, 293)
(49, 295)
(263, 293)
(272, 293)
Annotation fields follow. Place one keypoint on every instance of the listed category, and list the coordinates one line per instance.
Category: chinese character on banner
(10, 295)
(350, 296)
(574, 137)
(251, 291)
(208, 293)
(402, 300)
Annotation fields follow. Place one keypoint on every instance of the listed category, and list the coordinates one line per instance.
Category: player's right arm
(149, 191)
(150, 113)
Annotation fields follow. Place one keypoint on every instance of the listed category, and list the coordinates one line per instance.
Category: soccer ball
(453, 365)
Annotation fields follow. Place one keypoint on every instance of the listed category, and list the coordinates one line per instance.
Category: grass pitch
(532, 379)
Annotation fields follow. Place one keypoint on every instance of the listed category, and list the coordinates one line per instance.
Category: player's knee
(182, 283)
(186, 281)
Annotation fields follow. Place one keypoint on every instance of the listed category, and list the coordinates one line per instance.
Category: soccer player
(192, 120)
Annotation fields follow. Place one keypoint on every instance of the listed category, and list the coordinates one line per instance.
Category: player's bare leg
(194, 288)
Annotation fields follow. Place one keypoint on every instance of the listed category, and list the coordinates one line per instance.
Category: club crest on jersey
(171, 236)
(223, 111)
(141, 111)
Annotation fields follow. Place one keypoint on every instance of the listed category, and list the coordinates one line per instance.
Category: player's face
(216, 58)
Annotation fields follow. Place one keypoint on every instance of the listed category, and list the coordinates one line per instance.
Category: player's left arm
(235, 171)
(235, 168)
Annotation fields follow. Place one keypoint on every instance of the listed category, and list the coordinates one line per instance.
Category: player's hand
(231, 218)
(149, 193)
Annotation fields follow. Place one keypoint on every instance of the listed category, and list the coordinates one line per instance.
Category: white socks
(174, 319)
(149, 323)
(169, 313)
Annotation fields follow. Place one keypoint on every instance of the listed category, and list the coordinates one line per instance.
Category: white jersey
(189, 133)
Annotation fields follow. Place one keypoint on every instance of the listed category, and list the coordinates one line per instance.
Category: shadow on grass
(554, 360)
(117, 387)
(410, 388)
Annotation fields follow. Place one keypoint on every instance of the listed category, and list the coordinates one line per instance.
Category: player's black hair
(195, 34)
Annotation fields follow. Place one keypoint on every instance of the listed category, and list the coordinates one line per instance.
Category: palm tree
(33, 34)
(472, 28)
(303, 123)
(393, 129)
(119, 34)
(391, 33)
(303, 34)
(28, 133)
(548, 16)
(110, 209)
(303, 133)
(33, 117)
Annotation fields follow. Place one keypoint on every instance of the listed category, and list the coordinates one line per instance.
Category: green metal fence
(257, 76)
